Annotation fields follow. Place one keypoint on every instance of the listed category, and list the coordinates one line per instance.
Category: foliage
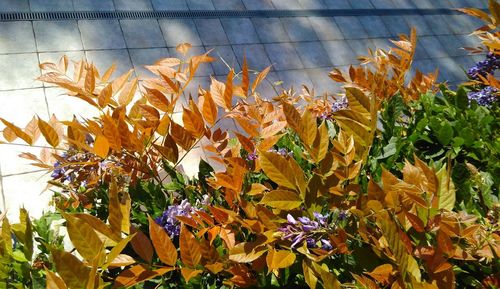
(362, 191)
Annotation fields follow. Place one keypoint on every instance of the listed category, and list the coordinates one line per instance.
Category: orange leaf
(217, 91)
(183, 48)
(149, 112)
(128, 92)
(101, 146)
(208, 108)
(48, 132)
(245, 82)
(193, 123)
(32, 129)
(157, 99)
(181, 136)
(169, 149)
(142, 246)
(273, 129)
(21, 134)
(245, 142)
(137, 274)
(279, 259)
(261, 76)
(105, 95)
(190, 248)
(110, 130)
(228, 91)
(163, 245)
(382, 273)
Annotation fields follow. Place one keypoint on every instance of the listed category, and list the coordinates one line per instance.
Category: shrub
(377, 188)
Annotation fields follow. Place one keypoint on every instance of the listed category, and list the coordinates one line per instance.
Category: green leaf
(461, 99)
(24, 233)
(445, 134)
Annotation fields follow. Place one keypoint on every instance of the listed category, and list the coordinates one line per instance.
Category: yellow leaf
(157, 99)
(72, 271)
(190, 248)
(246, 252)
(217, 90)
(382, 273)
(119, 209)
(272, 129)
(446, 190)
(277, 169)
(101, 146)
(309, 274)
(319, 147)
(83, 237)
(309, 128)
(48, 132)
(112, 258)
(279, 259)
(163, 245)
(54, 281)
(282, 199)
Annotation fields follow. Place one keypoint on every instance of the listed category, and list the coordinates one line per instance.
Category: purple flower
(340, 104)
(282, 152)
(168, 220)
(485, 67)
(252, 156)
(313, 232)
(485, 97)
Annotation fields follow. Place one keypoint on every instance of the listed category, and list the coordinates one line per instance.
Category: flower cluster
(281, 151)
(313, 232)
(485, 67)
(168, 220)
(485, 97)
(340, 104)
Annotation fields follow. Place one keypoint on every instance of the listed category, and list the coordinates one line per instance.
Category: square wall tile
(101, 34)
(299, 29)
(312, 54)
(57, 35)
(258, 4)
(146, 56)
(256, 55)
(420, 24)
(360, 46)
(283, 56)
(340, 52)
(200, 4)
(133, 5)
(18, 71)
(433, 46)
(286, 4)
(312, 4)
(51, 5)
(452, 44)
(19, 106)
(396, 25)
(65, 106)
(438, 24)
(270, 30)
(93, 5)
(211, 32)
(361, 4)
(16, 37)
(337, 4)
(177, 31)
(294, 79)
(169, 4)
(228, 5)
(374, 26)
(144, 33)
(26, 191)
(351, 27)
(322, 83)
(15, 6)
(103, 59)
(326, 28)
(240, 30)
(383, 4)
(226, 59)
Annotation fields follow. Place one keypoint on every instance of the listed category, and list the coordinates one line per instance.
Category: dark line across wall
(83, 15)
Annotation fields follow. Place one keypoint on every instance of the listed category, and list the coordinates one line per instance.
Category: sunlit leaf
(164, 247)
(190, 248)
(282, 199)
(278, 259)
